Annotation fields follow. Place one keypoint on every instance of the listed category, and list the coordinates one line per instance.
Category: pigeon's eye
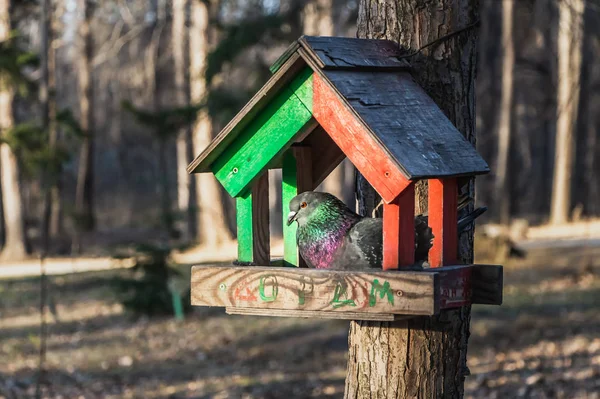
(303, 205)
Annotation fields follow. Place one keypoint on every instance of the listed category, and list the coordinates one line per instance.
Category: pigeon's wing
(362, 247)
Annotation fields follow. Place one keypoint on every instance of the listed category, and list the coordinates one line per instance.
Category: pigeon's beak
(292, 216)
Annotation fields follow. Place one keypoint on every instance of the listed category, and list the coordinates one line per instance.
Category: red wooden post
(443, 219)
(399, 230)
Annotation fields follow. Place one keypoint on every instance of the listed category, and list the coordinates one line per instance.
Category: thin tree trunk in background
(212, 228)
(318, 21)
(84, 192)
(51, 218)
(180, 46)
(14, 245)
(421, 357)
(157, 11)
(570, 39)
(502, 190)
(318, 18)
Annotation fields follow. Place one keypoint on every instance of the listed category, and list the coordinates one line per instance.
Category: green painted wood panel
(289, 189)
(244, 228)
(267, 136)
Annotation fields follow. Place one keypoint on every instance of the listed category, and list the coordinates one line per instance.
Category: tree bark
(212, 228)
(421, 357)
(502, 190)
(570, 40)
(14, 244)
(84, 192)
(180, 40)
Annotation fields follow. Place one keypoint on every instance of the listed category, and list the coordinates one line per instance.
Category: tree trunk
(570, 40)
(185, 204)
(318, 18)
(318, 21)
(14, 244)
(421, 357)
(84, 193)
(212, 228)
(51, 223)
(502, 190)
(157, 11)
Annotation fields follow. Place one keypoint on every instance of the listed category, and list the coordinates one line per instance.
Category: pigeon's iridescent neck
(324, 233)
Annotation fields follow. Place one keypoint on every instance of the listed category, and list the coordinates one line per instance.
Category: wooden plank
(243, 215)
(443, 219)
(345, 53)
(289, 189)
(398, 292)
(267, 136)
(355, 140)
(261, 246)
(296, 177)
(455, 286)
(287, 54)
(406, 122)
(315, 314)
(326, 155)
(304, 176)
(399, 231)
(474, 284)
(252, 220)
(487, 282)
(281, 78)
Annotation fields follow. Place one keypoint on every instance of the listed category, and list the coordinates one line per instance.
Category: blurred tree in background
(117, 180)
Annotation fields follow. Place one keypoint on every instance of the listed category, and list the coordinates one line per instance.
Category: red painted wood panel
(349, 133)
(399, 230)
(443, 219)
(455, 286)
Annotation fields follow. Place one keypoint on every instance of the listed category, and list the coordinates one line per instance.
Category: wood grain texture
(243, 215)
(261, 246)
(355, 140)
(268, 135)
(443, 218)
(357, 54)
(286, 55)
(399, 231)
(409, 293)
(289, 189)
(455, 286)
(313, 314)
(296, 178)
(475, 284)
(412, 129)
(424, 357)
(285, 74)
(252, 219)
(487, 284)
(326, 155)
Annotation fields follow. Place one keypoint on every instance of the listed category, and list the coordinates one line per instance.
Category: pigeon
(331, 236)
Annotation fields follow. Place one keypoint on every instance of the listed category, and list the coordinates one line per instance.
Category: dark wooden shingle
(348, 53)
(408, 124)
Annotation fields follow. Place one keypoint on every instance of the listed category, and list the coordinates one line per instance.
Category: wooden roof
(375, 84)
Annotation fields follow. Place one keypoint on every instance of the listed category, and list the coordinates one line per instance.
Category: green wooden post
(296, 173)
(289, 189)
(244, 227)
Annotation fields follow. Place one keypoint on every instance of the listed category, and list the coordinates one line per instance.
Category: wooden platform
(369, 295)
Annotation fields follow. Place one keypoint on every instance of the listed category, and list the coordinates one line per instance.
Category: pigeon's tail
(466, 221)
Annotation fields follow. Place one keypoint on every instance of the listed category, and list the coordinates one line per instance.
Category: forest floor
(543, 342)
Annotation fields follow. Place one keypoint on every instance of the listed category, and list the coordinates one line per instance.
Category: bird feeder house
(328, 99)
